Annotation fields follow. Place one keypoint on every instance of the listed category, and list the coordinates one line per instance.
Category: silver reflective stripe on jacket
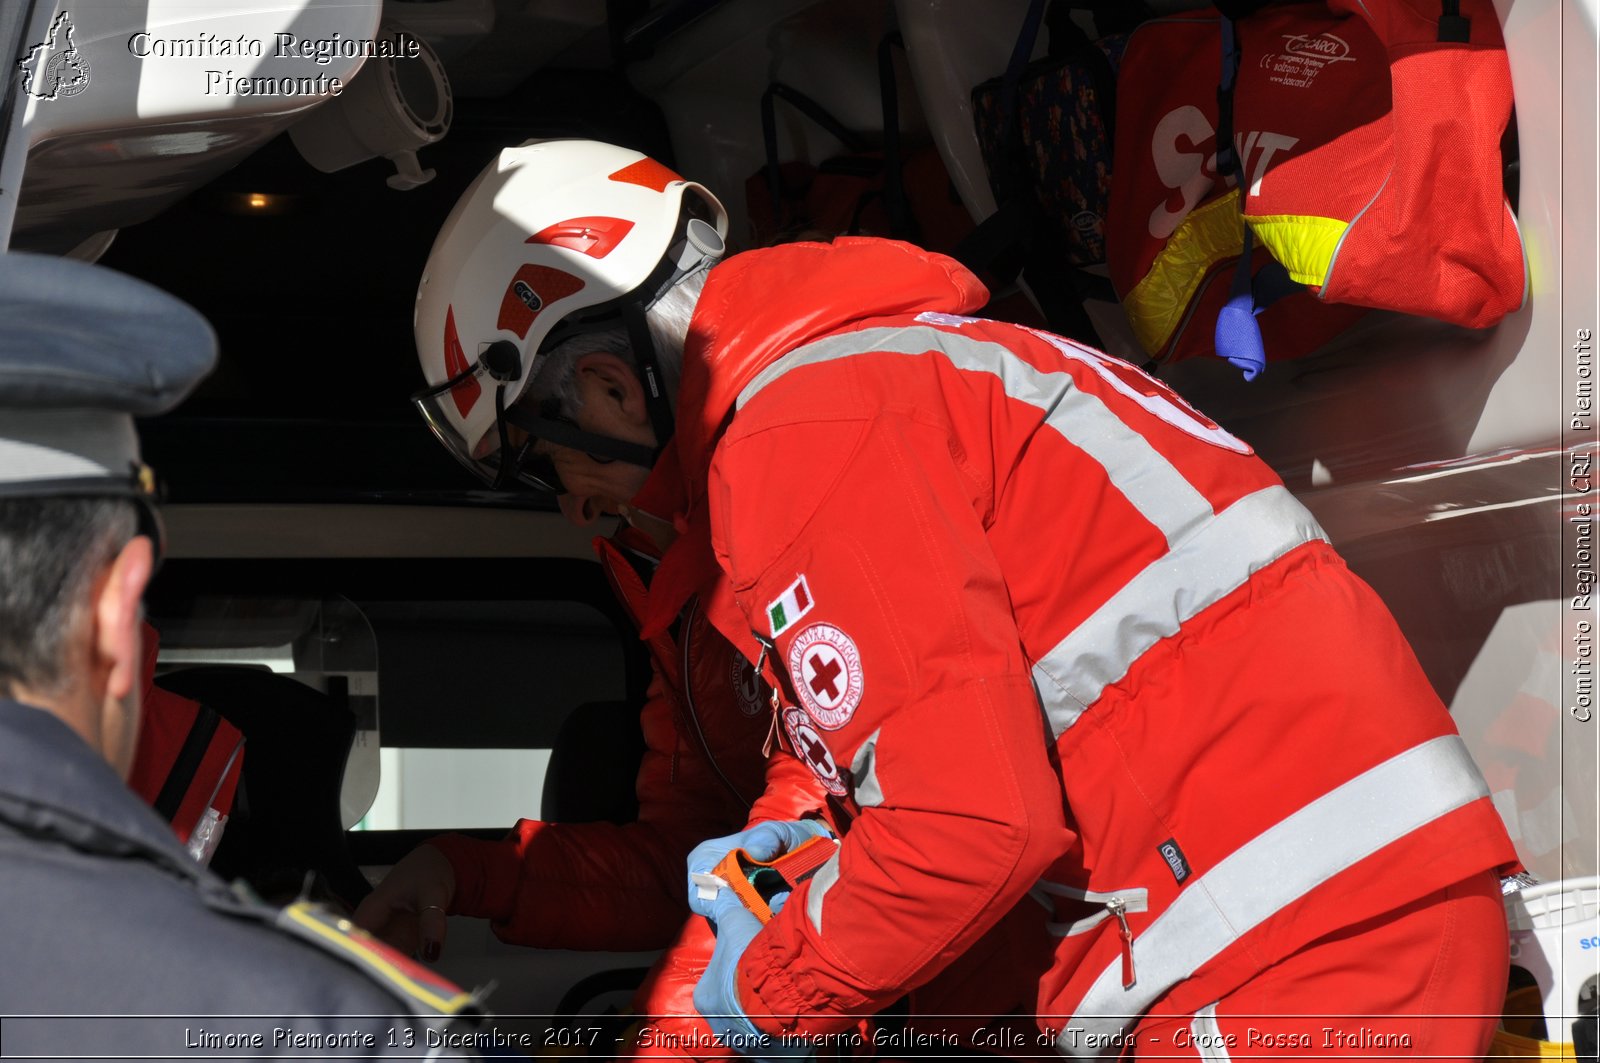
(1216, 560)
(1210, 554)
(1271, 871)
(867, 793)
(865, 788)
(1207, 1037)
(821, 883)
(1135, 468)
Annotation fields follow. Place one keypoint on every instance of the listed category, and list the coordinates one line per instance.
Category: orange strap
(753, 881)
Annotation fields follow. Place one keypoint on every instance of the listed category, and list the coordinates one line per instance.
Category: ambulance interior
(467, 643)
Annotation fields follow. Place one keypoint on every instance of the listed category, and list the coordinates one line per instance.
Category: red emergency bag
(1366, 137)
(187, 762)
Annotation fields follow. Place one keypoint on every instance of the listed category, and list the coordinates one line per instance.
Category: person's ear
(606, 376)
(117, 639)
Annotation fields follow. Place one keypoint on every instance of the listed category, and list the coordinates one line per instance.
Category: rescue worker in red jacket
(706, 718)
(1084, 671)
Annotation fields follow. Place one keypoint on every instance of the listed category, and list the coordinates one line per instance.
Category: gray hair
(51, 550)
(668, 322)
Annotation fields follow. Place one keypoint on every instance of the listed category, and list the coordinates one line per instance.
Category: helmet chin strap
(503, 362)
(648, 362)
(698, 247)
(567, 434)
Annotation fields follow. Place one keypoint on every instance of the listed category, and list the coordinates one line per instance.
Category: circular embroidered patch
(746, 686)
(810, 748)
(826, 669)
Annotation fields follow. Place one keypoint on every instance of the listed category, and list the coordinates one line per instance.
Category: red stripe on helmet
(595, 237)
(465, 393)
(647, 172)
(530, 291)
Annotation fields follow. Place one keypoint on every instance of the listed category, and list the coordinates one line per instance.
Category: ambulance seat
(286, 818)
(594, 764)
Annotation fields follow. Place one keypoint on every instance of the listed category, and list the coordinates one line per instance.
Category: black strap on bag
(1011, 178)
(187, 765)
(1068, 41)
(993, 246)
(1236, 337)
(1238, 9)
(853, 143)
(1453, 27)
(1006, 243)
(902, 222)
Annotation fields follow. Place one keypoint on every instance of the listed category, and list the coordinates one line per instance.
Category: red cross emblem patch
(811, 749)
(826, 668)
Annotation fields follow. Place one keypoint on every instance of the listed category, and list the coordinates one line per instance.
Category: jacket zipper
(1119, 908)
(1116, 905)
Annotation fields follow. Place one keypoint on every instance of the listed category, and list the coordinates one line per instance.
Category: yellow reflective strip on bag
(1304, 243)
(1511, 1046)
(1525, 1011)
(1158, 304)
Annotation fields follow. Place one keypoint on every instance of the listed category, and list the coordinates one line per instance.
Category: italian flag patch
(789, 606)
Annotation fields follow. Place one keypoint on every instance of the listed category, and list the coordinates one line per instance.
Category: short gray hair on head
(555, 375)
(668, 321)
(51, 550)
(555, 371)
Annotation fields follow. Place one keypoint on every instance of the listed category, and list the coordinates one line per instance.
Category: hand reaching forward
(407, 909)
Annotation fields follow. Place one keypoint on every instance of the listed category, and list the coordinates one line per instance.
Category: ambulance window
(474, 695)
(458, 699)
(210, 649)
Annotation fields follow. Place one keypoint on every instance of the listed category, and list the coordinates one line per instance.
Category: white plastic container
(396, 105)
(1555, 937)
(130, 106)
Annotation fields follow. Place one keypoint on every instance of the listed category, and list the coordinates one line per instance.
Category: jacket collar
(757, 307)
(52, 785)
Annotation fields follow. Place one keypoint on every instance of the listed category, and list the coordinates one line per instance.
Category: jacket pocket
(1099, 906)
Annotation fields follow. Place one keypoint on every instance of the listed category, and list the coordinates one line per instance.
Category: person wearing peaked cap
(105, 912)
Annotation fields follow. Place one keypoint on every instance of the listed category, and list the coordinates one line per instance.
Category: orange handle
(740, 871)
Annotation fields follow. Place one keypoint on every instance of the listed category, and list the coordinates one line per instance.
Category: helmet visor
(504, 457)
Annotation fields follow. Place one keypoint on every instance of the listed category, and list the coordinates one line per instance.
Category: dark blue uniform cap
(84, 350)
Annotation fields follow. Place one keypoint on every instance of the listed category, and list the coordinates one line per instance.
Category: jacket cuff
(769, 995)
(765, 1015)
(486, 873)
(779, 992)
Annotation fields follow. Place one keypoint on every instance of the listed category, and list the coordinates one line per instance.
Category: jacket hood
(756, 307)
(760, 305)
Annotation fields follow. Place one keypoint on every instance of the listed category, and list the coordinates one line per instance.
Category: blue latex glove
(763, 842)
(1237, 336)
(716, 995)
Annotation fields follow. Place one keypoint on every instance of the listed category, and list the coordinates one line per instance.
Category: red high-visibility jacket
(1061, 640)
(622, 887)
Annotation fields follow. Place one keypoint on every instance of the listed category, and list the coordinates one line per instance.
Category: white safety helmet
(554, 238)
